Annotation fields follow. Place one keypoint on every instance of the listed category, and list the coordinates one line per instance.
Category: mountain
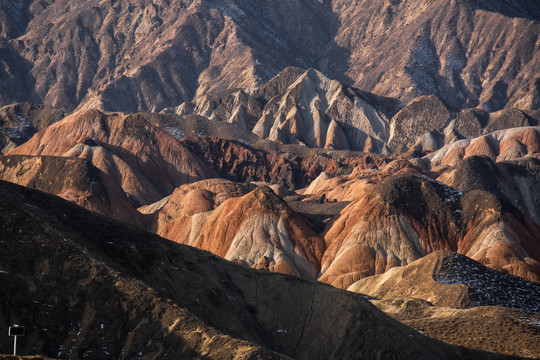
(303, 107)
(232, 167)
(407, 216)
(447, 279)
(258, 229)
(92, 287)
(135, 56)
(144, 160)
(73, 179)
(291, 166)
(457, 300)
(513, 182)
(509, 144)
(307, 108)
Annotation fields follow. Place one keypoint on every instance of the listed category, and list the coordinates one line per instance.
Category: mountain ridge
(141, 57)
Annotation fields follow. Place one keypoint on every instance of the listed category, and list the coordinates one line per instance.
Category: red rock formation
(290, 166)
(258, 230)
(76, 180)
(146, 161)
(501, 145)
(190, 199)
(408, 216)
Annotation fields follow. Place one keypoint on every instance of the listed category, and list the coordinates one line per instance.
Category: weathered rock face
(290, 166)
(302, 107)
(19, 122)
(448, 46)
(514, 182)
(258, 229)
(145, 161)
(509, 144)
(306, 108)
(421, 116)
(190, 199)
(408, 216)
(354, 185)
(426, 125)
(396, 222)
(138, 56)
(106, 288)
(76, 180)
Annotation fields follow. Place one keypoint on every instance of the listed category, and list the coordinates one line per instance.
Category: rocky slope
(144, 160)
(447, 279)
(258, 229)
(133, 56)
(303, 107)
(126, 293)
(139, 154)
(19, 122)
(430, 295)
(408, 216)
(291, 167)
(509, 144)
(307, 108)
(73, 179)
(515, 182)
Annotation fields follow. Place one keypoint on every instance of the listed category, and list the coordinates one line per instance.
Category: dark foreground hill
(89, 287)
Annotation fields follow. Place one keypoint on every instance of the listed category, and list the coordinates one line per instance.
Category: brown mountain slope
(514, 181)
(408, 216)
(302, 107)
(257, 229)
(133, 56)
(489, 328)
(145, 161)
(291, 166)
(447, 279)
(93, 286)
(468, 52)
(73, 179)
(430, 294)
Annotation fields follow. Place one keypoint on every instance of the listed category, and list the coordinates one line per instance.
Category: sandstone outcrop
(509, 144)
(258, 229)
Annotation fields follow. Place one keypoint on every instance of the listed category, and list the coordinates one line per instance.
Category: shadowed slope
(187, 302)
(19, 122)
